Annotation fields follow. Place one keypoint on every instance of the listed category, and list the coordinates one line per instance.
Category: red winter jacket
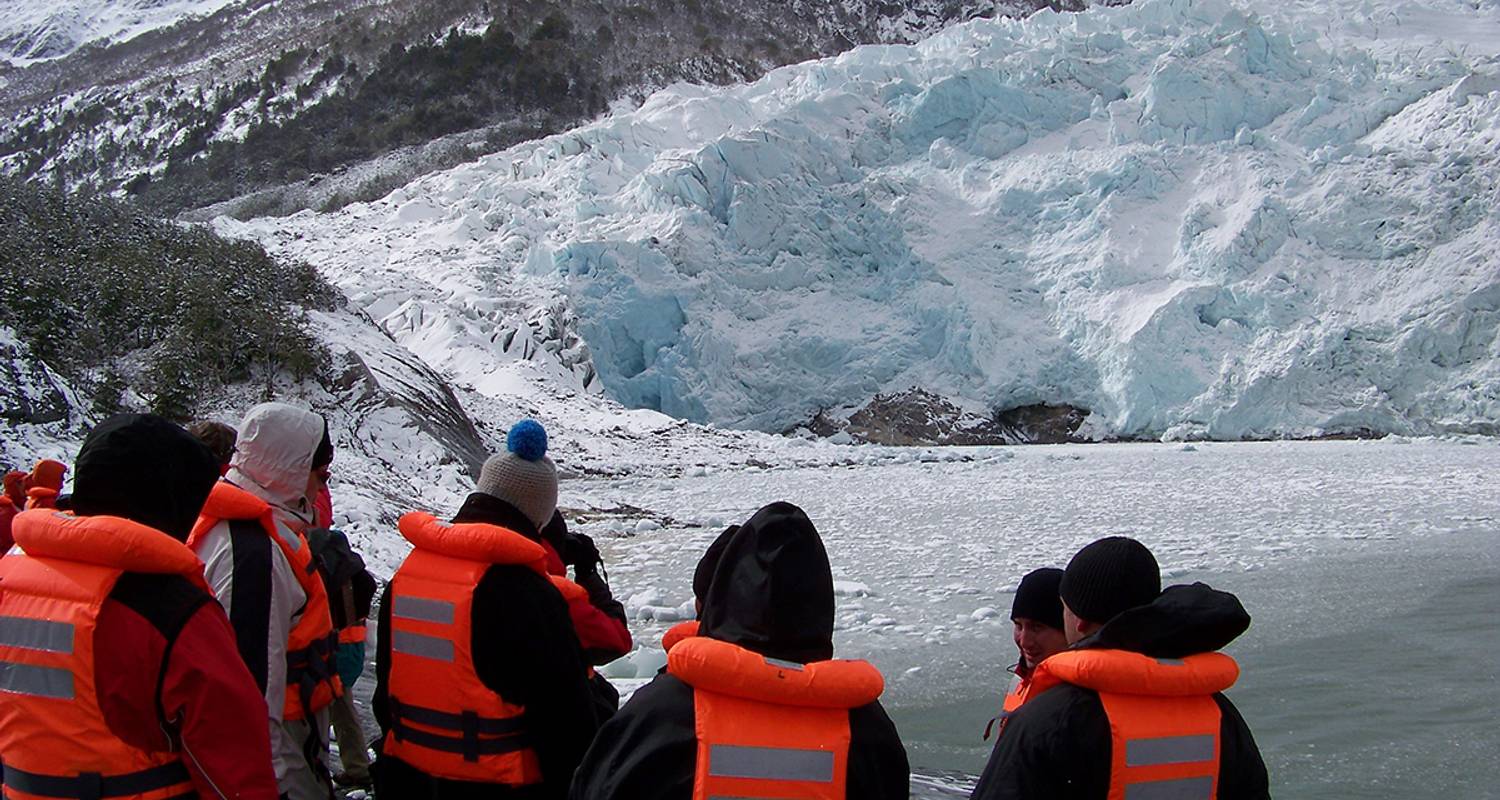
(603, 636)
(145, 643)
(8, 512)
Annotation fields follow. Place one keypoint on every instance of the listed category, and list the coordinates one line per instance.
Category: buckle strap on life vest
(469, 725)
(311, 667)
(93, 786)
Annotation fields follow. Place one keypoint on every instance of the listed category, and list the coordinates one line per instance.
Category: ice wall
(1192, 217)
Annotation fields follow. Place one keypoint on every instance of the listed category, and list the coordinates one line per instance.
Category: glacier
(1193, 218)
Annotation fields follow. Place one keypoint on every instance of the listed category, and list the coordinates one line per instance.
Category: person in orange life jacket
(351, 589)
(257, 559)
(530, 485)
(219, 438)
(8, 512)
(513, 664)
(703, 575)
(121, 671)
(12, 502)
(1036, 616)
(45, 483)
(1135, 706)
(15, 488)
(753, 706)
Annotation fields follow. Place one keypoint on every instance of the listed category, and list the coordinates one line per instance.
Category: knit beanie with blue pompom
(523, 475)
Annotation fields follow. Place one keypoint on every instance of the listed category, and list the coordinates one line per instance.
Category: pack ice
(1192, 218)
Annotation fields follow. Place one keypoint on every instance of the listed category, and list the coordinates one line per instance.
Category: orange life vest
(53, 733)
(311, 673)
(1163, 719)
(769, 728)
(1015, 697)
(444, 720)
(354, 634)
(679, 632)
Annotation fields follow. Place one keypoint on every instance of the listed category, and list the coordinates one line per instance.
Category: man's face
(1037, 640)
(1072, 625)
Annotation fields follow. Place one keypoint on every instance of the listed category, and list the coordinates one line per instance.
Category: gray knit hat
(523, 475)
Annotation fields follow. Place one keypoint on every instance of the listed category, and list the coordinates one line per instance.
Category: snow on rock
(41, 413)
(1194, 219)
(37, 31)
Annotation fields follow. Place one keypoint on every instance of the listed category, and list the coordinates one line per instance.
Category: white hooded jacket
(272, 459)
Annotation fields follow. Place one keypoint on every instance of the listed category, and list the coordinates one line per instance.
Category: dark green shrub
(90, 284)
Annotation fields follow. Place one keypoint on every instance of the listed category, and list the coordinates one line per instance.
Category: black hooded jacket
(524, 649)
(771, 593)
(1057, 746)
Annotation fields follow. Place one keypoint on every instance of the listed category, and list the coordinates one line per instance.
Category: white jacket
(272, 460)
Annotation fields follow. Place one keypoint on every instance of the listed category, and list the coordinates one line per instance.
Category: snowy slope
(1192, 218)
(35, 31)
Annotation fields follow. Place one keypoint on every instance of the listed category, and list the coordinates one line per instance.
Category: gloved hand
(349, 659)
(580, 551)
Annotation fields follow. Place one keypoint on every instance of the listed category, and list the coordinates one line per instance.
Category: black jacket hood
(491, 510)
(1183, 620)
(145, 469)
(772, 591)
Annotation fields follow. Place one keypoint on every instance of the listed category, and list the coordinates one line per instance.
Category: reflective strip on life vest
(36, 634)
(770, 763)
(1168, 750)
(36, 681)
(418, 644)
(1180, 789)
(422, 609)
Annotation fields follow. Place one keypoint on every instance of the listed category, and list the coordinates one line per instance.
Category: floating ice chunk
(647, 660)
(645, 597)
(851, 589)
(647, 525)
(984, 613)
(619, 668)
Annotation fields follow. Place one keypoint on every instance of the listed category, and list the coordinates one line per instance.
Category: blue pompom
(527, 439)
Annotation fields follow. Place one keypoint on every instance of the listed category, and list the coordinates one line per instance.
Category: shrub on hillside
(99, 291)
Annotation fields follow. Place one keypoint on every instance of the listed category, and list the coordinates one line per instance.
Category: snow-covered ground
(36, 31)
(1370, 569)
(1193, 217)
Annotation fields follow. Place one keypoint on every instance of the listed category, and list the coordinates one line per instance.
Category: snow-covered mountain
(1188, 217)
(224, 101)
(34, 31)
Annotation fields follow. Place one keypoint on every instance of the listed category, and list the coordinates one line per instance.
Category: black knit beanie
(1036, 597)
(1110, 576)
